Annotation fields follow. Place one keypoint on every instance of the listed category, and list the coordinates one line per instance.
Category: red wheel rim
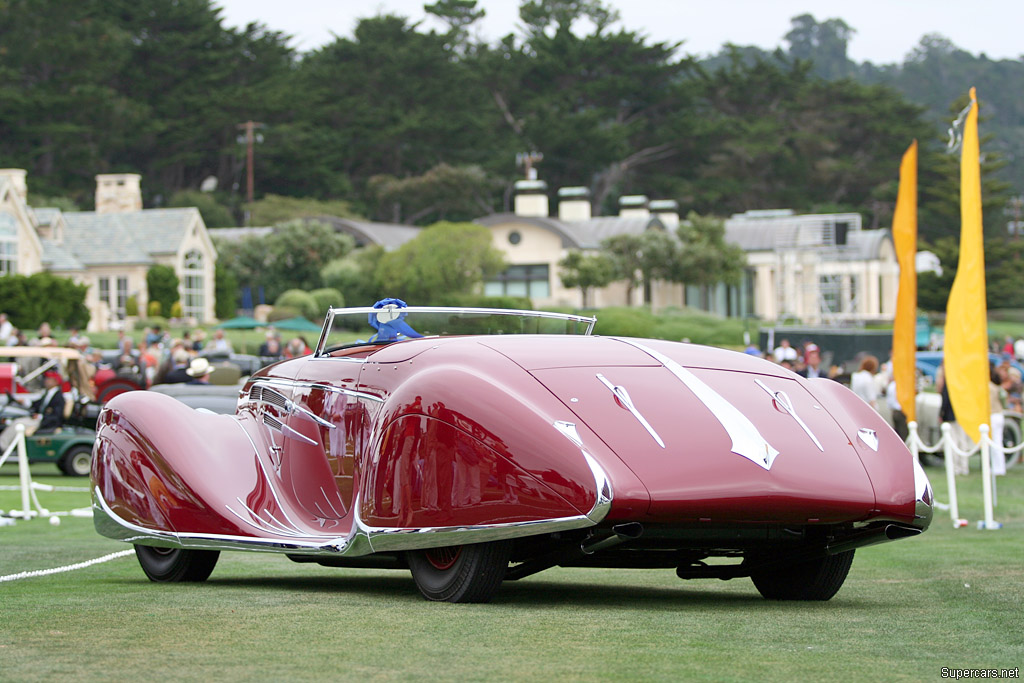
(443, 558)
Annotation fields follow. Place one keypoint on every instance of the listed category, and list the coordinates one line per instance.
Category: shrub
(151, 321)
(176, 311)
(131, 306)
(326, 297)
(154, 309)
(300, 300)
(43, 297)
(282, 313)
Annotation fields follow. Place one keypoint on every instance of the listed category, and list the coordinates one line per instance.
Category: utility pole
(250, 137)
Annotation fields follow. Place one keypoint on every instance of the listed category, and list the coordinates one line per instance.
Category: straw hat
(199, 367)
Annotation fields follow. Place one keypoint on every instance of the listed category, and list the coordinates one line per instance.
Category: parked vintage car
(476, 446)
(69, 447)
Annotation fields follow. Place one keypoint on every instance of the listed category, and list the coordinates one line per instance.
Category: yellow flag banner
(904, 332)
(966, 349)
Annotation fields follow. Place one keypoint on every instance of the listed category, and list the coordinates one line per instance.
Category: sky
(886, 30)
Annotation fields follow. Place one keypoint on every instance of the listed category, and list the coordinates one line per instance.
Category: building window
(514, 237)
(122, 297)
(193, 302)
(530, 281)
(105, 291)
(830, 289)
(8, 245)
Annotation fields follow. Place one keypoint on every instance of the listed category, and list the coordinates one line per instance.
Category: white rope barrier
(947, 443)
(68, 568)
(28, 487)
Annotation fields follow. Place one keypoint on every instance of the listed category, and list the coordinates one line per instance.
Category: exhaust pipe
(882, 534)
(620, 534)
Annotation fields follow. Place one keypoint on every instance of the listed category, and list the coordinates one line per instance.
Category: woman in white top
(862, 382)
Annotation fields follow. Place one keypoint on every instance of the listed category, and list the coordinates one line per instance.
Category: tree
(705, 257)
(275, 209)
(43, 297)
(586, 271)
(824, 45)
(642, 259)
(443, 193)
(602, 108)
(215, 214)
(446, 258)
(355, 276)
(225, 292)
(290, 257)
(162, 285)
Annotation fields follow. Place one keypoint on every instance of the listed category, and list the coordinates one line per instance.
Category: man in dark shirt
(47, 412)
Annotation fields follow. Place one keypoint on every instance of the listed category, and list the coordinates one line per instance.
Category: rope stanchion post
(986, 479)
(947, 452)
(24, 475)
(913, 440)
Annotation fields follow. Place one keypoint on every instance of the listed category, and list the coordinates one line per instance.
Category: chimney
(667, 210)
(633, 206)
(531, 198)
(574, 204)
(17, 178)
(118, 193)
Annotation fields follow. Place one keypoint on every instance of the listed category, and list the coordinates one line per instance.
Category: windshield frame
(321, 345)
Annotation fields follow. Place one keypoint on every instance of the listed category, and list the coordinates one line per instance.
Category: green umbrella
(242, 322)
(297, 324)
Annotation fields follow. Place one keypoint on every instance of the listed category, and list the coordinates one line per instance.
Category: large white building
(109, 249)
(817, 269)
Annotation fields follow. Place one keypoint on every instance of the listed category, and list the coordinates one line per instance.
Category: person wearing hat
(812, 360)
(199, 370)
(47, 411)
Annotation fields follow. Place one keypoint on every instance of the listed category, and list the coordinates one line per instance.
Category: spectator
(47, 411)
(862, 382)
(785, 352)
(297, 347)
(219, 345)
(899, 418)
(178, 373)
(812, 362)
(6, 331)
(199, 371)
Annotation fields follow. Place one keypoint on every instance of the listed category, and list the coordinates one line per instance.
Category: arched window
(8, 244)
(193, 303)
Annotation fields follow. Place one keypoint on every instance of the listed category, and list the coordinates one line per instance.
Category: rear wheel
(76, 462)
(468, 573)
(176, 564)
(817, 579)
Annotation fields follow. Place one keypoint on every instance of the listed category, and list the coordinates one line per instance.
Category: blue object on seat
(391, 330)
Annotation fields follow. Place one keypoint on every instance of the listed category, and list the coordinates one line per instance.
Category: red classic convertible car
(476, 446)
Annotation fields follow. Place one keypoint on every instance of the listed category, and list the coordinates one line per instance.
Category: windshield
(345, 327)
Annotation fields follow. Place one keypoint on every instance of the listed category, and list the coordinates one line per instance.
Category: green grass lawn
(949, 598)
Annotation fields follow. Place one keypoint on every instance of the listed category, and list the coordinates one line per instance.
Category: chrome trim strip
(295, 384)
(603, 484)
(786, 403)
(362, 541)
(869, 437)
(626, 402)
(924, 505)
(746, 440)
(332, 312)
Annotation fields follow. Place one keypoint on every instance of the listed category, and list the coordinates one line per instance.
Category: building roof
(57, 257)
(585, 234)
(121, 238)
(387, 235)
(234, 234)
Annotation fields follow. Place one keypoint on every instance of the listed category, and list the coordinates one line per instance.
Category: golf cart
(21, 369)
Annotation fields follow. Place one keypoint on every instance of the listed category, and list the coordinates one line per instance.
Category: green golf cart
(69, 446)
